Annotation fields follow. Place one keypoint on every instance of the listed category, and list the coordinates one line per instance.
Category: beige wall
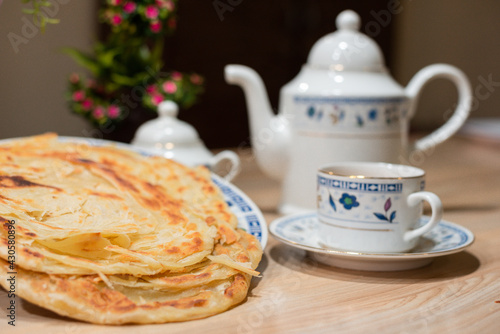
(33, 79)
(463, 33)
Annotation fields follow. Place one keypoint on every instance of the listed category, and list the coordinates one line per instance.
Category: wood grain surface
(458, 293)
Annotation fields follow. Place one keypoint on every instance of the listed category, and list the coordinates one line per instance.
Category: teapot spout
(269, 132)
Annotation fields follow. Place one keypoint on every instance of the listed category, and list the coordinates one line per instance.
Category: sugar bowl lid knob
(168, 109)
(348, 19)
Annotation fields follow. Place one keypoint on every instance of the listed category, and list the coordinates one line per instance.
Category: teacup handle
(232, 157)
(437, 212)
(461, 112)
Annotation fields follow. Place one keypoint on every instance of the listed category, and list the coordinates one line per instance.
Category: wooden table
(458, 293)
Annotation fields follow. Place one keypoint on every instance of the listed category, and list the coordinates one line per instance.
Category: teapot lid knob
(348, 19)
(168, 109)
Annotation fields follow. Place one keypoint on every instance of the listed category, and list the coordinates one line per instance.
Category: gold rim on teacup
(327, 169)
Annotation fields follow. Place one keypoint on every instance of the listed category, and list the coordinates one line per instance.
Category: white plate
(249, 216)
(301, 231)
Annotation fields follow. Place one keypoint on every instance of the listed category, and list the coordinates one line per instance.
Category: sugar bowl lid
(167, 130)
(347, 49)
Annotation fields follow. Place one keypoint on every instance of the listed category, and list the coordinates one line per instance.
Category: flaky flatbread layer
(87, 298)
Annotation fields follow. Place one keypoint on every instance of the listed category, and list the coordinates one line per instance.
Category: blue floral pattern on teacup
(348, 201)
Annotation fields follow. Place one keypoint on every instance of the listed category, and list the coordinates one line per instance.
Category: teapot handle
(459, 115)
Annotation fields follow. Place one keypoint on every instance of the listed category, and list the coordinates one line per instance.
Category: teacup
(373, 207)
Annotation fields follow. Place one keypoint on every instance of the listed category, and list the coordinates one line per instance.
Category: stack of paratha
(109, 236)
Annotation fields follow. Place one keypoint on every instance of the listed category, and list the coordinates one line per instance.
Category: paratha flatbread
(107, 218)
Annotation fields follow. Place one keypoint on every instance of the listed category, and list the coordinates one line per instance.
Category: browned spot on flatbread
(86, 161)
(173, 250)
(210, 221)
(121, 181)
(209, 189)
(228, 234)
(221, 209)
(238, 284)
(242, 258)
(219, 249)
(17, 181)
(5, 223)
(106, 168)
(150, 203)
(32, 253)
(104, 299)
(196, 243)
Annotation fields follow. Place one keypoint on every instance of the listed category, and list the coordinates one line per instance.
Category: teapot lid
(167, 130)
(347, 49)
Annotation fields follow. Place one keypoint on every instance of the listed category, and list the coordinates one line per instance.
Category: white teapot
(174, 139)
(342, 106)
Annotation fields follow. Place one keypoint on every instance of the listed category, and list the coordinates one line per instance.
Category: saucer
(301, 231)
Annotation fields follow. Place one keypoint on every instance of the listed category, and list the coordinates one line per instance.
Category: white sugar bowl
(174, 139)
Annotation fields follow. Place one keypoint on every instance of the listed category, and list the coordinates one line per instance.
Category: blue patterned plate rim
(249, 216)
(438, 236)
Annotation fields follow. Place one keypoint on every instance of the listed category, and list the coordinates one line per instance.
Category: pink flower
(115, 2)
(156, 99)
(98, 112)
(87, 104)
(152, 12)
(169, 87)
(116, 19)
(78, 96)
(113, 111)
(155, 26)
(151, 89)
(74, 78)
(166, 4)
(129, 7)
(176, 76)
(196, 79)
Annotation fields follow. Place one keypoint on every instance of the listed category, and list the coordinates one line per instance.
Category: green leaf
(83, 60)
(106, 58)
(123, 80)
